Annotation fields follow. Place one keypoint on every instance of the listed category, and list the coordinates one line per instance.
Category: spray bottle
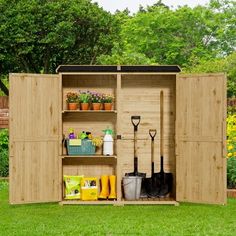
(108, 142)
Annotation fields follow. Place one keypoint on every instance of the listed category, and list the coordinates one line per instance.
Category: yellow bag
(89, 188)
(72, 186)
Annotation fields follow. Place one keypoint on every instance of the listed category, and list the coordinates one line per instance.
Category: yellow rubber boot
(112, 179)
(105, 187)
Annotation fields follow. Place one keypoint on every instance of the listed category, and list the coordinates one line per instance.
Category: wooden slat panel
(200, 103)
(200, 172)
(34, 172)
(144, 156)
(34, 135)
(34, 106)
(141, 96)
(200, 138)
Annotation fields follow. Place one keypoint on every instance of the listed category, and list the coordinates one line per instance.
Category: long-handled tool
(135, 121)
(152, 184)
(166, 179)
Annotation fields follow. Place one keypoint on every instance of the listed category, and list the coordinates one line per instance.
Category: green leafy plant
(231, 148)
(84, 96)
(107, 98)
(231, 172)
(72, 97)
(4, 160)
(96, 97)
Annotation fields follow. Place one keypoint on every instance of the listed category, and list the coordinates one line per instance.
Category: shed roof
(114, 68)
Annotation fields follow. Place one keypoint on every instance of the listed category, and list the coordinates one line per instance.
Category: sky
(133, 5)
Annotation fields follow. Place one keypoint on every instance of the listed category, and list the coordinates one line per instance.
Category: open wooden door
(201, 138)
(34, 135)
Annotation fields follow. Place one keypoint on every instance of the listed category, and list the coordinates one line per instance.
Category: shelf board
(88, 111)
(151, 201)
(89, 156)
(98, 202)
(120, 203)
(89, 160)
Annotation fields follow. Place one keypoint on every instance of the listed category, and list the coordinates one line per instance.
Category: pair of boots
(108, 183)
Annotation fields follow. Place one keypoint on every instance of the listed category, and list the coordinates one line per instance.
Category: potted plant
(72, 101)
(107, 100)
(84, 98)
(96, 100)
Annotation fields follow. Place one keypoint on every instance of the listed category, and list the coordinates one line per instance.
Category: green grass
(52, 219)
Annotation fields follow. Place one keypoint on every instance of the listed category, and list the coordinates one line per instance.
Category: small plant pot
(84, 106)
(107, 106)
(96, 106)
(72, 106)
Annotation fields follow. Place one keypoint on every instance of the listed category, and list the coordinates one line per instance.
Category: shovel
(166, 179)
(152, 184)
(135, 121)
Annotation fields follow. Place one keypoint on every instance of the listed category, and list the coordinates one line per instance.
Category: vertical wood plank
(119, 103)
(200, 138)
(34, 135)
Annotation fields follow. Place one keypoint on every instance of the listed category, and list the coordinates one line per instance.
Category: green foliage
(37, 36)
(183, 36)
(4, 160)
(5, 81)
(231, 148)
(84, 96)
(231, 172)
(119, 57)
(3, 185)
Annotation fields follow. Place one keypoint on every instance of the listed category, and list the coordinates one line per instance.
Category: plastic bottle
(108, 142)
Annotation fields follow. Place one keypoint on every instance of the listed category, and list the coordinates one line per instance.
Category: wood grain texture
(34, 134)
(194, 133)
(200, 138)
(96, 83)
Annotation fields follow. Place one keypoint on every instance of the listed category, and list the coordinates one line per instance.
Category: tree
(37, 36)
(184, 36)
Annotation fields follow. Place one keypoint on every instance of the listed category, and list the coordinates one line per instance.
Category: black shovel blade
(166, 184)
(152, 187)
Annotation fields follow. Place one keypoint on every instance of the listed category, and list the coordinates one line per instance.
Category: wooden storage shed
(194, 131)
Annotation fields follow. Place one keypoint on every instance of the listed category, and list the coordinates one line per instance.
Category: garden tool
(135, 121)
(112, 181)
(105, 187)
(152, 184)
(166, 179)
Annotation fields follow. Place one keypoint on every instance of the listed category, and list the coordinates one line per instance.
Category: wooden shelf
(89, 160)
(150, 202)
(89, 156)
(88, 111)
(120, 203)
(98, 202)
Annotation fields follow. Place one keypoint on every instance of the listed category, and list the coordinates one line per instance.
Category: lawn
(52, 219)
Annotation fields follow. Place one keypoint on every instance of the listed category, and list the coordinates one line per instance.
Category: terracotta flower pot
(96, 106)
(72, 106)
(107, 106)
(84, 106)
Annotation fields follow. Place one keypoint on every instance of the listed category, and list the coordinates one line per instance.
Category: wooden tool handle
(162, 122)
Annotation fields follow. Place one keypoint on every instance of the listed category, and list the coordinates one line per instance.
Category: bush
(4, 160)
(231, 172)
(231, 148)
